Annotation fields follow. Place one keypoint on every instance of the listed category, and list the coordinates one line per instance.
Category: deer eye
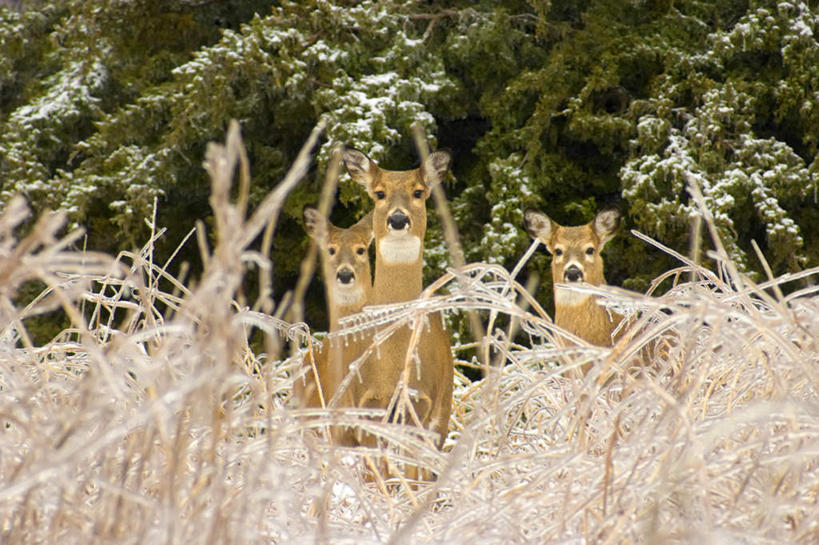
(380, 195)
(360, 251)
(558, 252)
(589, 251)
(418, 193)
(331, 251)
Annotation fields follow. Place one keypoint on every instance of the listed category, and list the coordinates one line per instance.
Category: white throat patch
(403, 248)
(568, 297)
(348, 296)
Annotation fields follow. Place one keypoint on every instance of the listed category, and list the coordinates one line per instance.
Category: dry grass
(152, 421)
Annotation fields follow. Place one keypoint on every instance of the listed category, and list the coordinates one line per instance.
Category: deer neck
(587, 319)
(341, 306)
(397, 282)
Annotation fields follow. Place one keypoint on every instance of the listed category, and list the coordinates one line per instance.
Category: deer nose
(398, 221)
(345, 276)
(573, 274)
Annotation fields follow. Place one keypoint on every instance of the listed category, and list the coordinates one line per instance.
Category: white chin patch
(348, 296)
(568, 297)
(403, 248)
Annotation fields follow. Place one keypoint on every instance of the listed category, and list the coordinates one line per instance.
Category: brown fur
(398, 277)
(341, 250)
(579, 247)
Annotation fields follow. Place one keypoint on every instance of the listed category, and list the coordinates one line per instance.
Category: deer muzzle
(573, 274)
(398, 221)
(345, 276)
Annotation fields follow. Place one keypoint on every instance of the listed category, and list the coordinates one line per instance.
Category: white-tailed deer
(348, 283)
(576, 258)
(399, 225)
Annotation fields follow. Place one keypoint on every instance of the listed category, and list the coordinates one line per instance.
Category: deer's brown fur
(348, 286)
(576, 258)
(399, 226)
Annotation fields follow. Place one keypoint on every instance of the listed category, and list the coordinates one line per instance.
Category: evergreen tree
(740, 118)
(568, 107)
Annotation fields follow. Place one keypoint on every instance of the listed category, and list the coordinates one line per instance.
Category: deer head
(344, 257)
(400, 213)
(575, 250)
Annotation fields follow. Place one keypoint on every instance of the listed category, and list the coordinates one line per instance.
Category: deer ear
(360, 167)
(365, 225)
(605, 225)
(435, 168)
(538, 225)
(315, 224)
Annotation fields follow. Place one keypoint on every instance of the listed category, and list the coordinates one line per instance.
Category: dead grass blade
(151, 419)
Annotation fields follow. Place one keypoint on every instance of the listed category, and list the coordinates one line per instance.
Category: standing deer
(348, 284)
(399, 225)
(576, 258)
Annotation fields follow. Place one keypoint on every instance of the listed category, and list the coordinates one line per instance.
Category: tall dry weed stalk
(151, 420)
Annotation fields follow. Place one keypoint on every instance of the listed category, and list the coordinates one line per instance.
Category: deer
(576, 258)
(399, 226)
(345, 262)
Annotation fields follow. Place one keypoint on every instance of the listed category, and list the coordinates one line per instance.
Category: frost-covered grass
(152, 420)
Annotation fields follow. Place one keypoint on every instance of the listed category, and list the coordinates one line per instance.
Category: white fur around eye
(396, 249)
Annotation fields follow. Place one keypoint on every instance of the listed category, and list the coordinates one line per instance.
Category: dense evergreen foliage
(566, 106)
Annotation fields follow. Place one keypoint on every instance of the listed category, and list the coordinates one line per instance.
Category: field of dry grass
(152, 420)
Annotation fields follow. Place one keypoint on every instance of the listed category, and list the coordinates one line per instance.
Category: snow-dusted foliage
(23, 45)
(624, 108)
(65, 67)
(33, 136)
(40, 118)
(727, 140)
(365, 69)
(568, 107)
(508, 190)
(374, 108)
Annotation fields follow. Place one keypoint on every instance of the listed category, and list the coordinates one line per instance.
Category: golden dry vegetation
(152, 420)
